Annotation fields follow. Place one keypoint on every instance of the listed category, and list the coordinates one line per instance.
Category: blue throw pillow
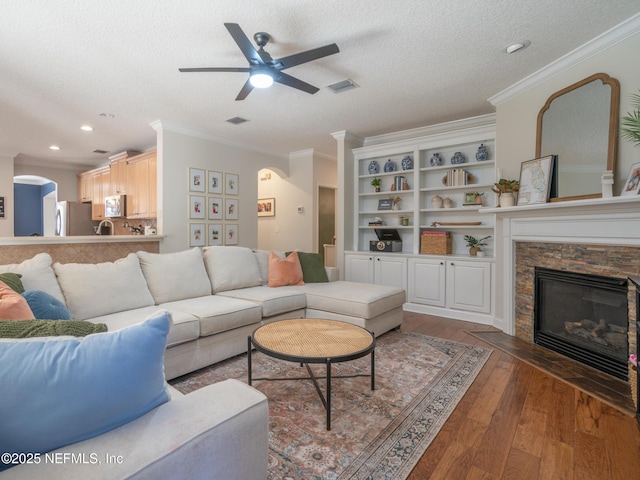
(63, 390)
(45, 306)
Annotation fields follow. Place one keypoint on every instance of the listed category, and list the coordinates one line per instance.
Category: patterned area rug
(378, 434)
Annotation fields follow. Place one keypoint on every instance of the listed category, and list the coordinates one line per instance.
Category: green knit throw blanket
(48, 328)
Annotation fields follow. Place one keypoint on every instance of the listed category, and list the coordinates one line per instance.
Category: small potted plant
(475, 244)
(505, 190)
(375, 183)
(630, 125)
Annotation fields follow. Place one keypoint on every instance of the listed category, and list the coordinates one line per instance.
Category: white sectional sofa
(217, 296)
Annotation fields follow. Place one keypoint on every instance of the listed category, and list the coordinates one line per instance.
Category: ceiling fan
(264, 70)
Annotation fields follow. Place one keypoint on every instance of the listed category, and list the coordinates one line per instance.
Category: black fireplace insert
(584, 317)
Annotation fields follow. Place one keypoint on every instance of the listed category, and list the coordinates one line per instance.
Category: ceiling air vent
(342, 86)
(101, 152)
(237, 120)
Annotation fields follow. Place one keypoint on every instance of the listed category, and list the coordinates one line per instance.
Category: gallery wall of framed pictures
(214, 207)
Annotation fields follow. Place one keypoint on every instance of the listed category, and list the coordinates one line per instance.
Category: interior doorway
(326, 219)
(34, 205)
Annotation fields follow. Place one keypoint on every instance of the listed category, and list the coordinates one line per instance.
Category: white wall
(6, 191)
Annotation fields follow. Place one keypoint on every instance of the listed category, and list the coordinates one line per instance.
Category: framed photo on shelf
(196, 235)
(266, 207)
(214, 234)
(214, 209)
(536, 179)
(231, 209)
(214, 182)
(385, 204)
(196, 180)
(231, 181)
(231, 234)
(632, 185)
(196, 207)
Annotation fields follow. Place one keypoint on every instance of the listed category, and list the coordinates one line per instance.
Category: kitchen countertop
(79, 239)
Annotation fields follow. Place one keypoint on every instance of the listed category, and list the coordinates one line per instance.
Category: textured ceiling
(417, 62)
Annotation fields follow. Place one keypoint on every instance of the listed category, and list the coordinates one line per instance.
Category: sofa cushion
(231, 267)
(273, 301)
(354, 299)
(97, 289)
(66, 389)
(37, 274)
(312, 265)
(45, 306)
(262, 257)
(13, 281)
(175, 276)
(13, 306)
(283, 272)
(217, 313)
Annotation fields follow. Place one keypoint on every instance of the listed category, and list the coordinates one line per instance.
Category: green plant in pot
(375, 183)
(630, 124)
(475, 244)
(505, 189)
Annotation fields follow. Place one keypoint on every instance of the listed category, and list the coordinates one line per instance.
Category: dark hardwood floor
(517, 422)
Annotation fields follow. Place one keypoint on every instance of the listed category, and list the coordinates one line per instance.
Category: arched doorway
(34, 206)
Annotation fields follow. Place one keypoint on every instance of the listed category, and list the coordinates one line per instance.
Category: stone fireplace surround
(595, 236)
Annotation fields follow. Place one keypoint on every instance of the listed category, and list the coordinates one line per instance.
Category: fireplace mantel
(613, 221)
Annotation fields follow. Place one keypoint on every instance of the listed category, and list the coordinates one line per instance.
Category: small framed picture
(632, 184)
(215, 208)
(231, 181)
(231, 234)
(266, 207)
(385, 204)
(196, 235)
(196, 207)
(231, 209)
(536, 178)
(196, 180)
(214, 182)
(214, 234)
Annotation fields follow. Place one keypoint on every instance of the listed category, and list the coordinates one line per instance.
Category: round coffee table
(312, 340)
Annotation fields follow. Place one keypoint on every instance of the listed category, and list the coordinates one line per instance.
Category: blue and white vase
(457, 158)
(482, 154)
(436, 160)
(407, 163)
(389, 166)
(373, 167)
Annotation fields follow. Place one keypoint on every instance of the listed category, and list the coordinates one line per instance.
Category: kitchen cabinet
(118, 168)
(101, 182)
(85, 187)
(142, 186)
(379, 269)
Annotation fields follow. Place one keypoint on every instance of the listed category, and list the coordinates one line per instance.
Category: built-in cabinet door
(390, 270)
(101, 188)
(426, 284)
(358, 268)
(119, 177)
(469, 286)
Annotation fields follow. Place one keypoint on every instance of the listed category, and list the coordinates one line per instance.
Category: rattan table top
(313, 338)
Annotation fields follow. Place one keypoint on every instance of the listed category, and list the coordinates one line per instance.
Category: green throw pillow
(13, 281)
(48, 328)
(312, 267)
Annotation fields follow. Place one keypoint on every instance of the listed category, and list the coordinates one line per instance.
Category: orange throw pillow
(284, 272)
(13, 306)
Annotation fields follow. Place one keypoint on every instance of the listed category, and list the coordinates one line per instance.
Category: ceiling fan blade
(246, 90)
(216, 69)
(308, 56)
(249, 51)
(290, 81)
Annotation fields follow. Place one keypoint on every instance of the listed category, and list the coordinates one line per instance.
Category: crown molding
(615, 35)
(348, 137)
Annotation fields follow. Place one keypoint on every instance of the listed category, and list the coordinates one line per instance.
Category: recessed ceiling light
(86, 128)
(514, 47)
(54, 147)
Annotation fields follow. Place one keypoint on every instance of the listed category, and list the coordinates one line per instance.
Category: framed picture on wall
(196, 207)
(266, 207)
(214, 234)
(231, 183)
(196, 180)
(231, 234)
(214, 209)
(632, 184)
(214, 182)
(231, 209)
(196, 235)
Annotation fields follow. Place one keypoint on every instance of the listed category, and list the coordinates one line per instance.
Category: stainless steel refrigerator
(73, 218)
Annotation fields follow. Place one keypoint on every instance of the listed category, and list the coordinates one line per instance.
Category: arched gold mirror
(580, 125)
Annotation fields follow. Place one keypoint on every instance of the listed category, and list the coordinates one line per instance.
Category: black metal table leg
(373, 370)
(249, 357)
(328, 394)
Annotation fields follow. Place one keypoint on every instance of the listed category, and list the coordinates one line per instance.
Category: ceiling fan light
(261, 79)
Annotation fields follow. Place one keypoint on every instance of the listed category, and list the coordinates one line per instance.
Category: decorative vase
(507, 199)
(389, 166)
(436, 160)
(405, 186)
(482, 154)
(407, 163)
(478, 200)
(436, 202)
(457, 158)
(373, 167)
(447, 203)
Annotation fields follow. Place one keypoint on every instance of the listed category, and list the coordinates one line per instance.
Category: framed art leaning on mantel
(537, 180)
